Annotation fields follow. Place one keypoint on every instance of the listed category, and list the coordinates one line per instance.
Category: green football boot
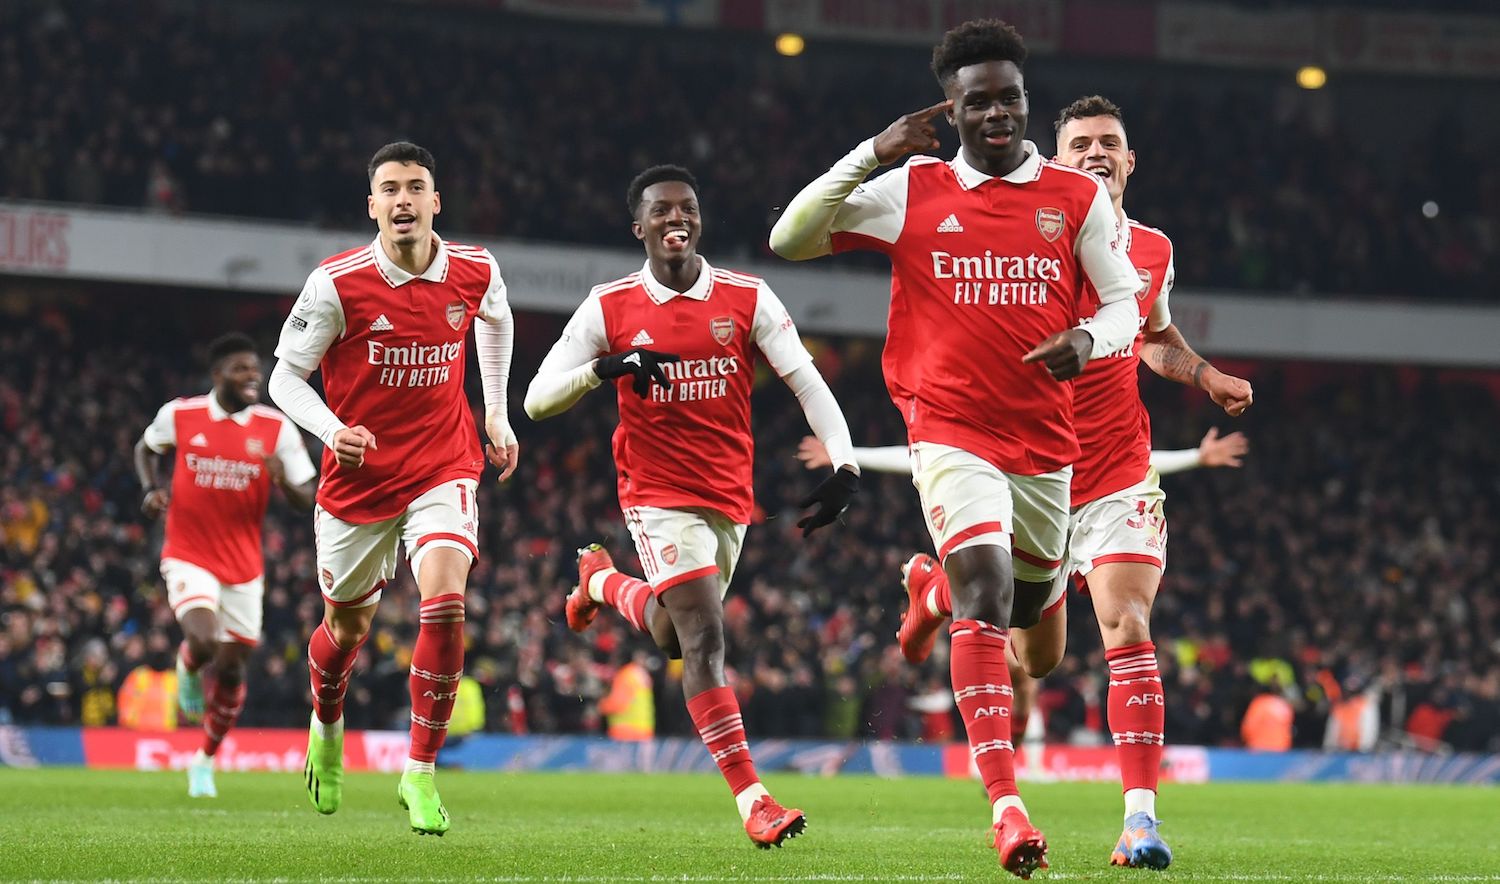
(324, 771)
(418, 796)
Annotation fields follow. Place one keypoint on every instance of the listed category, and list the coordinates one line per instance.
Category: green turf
(77, 824)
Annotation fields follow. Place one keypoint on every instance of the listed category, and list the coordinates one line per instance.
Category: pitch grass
(91, 825)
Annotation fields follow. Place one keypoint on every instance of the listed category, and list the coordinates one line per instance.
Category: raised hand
(1228, 451)
(1230, 393)
(911, 133)
(812, 453)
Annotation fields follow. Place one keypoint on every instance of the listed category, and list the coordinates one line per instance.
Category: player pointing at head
(988, 252)
(387, 323)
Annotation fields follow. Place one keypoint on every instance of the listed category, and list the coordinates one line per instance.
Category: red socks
(943, 597)
(437, 664)
(330, 666)
(716, 715)
(629, 596)
(981, 686)
(1137, 714)
(220, 714)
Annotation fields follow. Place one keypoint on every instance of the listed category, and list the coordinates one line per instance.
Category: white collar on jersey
(218, 412)
(1029, 170)
(661, 294)
(395, 277)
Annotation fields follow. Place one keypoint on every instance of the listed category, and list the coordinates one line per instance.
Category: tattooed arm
(1169, 355)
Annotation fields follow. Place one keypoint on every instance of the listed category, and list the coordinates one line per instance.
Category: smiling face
(990, 113)
(403, 202)
(237, 380)
(668, 222)
(1097, 144)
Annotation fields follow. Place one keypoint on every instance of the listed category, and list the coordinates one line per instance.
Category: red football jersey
(689, 445)
(220, 485)
(982, 270)
(1114, 430)
(391, 347)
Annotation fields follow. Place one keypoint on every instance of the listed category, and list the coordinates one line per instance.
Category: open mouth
(675, 239)
(403, 223)
(998, 137)
(1100, 169)
(250, 392)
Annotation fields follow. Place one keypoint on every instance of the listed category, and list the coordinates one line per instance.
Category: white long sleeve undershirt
(1175, 461)
(292, 393)
(494, 341)
(824, 417)
(805, 228)
(553, 392)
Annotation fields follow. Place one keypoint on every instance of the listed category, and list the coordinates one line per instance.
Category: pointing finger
(928, 113)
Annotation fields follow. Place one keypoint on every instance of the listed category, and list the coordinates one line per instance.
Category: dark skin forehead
(986, 77)
(670, 192)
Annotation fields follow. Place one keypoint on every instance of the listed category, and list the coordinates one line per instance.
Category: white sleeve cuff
(885, 459)
(1167, 462)
(824, 416)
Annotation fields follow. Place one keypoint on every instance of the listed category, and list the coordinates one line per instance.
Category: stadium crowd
(1326, 569)
(271, 111)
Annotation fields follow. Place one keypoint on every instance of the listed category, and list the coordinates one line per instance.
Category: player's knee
(1039, 662)
(349, 631)
(1125, 622)
(666, 639)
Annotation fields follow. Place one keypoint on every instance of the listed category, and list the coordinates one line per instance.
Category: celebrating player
(387, 323)
(679, 338)
(230, 451)
(987, 253)
(1117, 531)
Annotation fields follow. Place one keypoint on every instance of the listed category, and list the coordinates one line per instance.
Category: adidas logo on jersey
(199, 440)
(950, 225)
(382, 324)
(641, 339)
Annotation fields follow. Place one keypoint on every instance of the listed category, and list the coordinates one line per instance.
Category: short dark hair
(655, 175)
(227, 345)
(973, 42)
(1089, 106)
(403, 152)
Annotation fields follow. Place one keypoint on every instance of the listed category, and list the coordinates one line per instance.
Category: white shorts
(355, 561)
(237, 606)
(968, 501)
(1127, 526)
(678, 545)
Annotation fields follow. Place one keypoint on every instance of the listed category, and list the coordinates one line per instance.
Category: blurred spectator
(272, 110)
(1267, 724)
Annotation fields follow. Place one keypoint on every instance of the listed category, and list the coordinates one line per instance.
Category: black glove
(832, 498)
(643, 365)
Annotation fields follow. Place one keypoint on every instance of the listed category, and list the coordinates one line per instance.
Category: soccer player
(1117, 530)
(230, 450)
(680, 340)
(988, 252)
(387, 324)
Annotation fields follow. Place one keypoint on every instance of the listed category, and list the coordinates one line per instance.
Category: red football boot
(581, 609)
(770, 823)
(1022, 848)
(919, 626)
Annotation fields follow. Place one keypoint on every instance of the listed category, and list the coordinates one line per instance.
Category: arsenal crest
(722, 329)
(669, 554)
(1145, 276)
(1049, 223)
(255, 448)
(327, 576)
(938, 517)
(456, 314)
